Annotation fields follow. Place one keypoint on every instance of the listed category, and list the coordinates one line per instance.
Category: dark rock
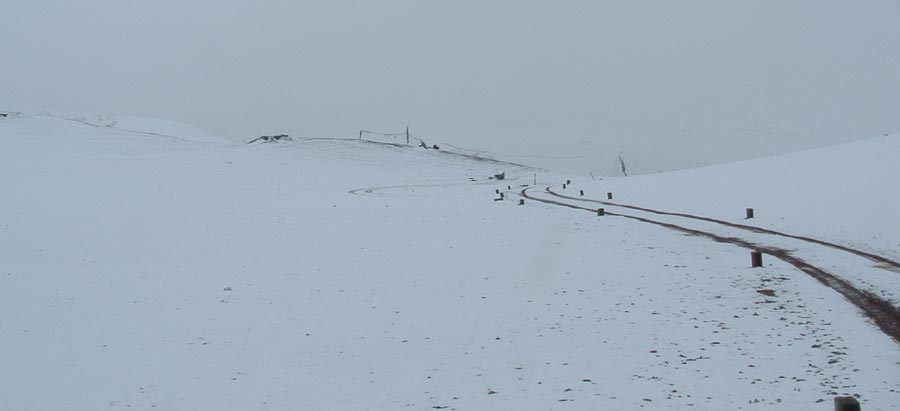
(271, 139)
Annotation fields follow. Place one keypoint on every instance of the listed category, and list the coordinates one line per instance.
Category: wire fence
(403, 138)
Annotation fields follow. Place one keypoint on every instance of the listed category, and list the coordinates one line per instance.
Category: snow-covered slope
(848, 193)
(149, 269)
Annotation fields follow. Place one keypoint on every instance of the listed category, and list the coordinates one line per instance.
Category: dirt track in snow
(883, 261)
(880, 311)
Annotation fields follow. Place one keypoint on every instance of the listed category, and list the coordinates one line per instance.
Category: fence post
(755, 259)
(846, 404)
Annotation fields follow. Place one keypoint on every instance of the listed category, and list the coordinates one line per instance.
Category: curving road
(886, 262)
(880, 310)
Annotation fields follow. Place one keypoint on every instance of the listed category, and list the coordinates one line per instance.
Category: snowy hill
(144, 264)
(846, 192)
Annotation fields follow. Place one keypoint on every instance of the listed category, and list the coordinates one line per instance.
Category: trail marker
(756, 259)
(846, 404)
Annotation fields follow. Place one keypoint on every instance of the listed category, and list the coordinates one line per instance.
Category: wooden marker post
(582, 192)
(749, 213)
(846, 404)
(755, 259)
(522, 201)
(601, 212)
(609, 196)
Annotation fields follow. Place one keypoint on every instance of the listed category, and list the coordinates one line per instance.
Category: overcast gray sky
(568, 84)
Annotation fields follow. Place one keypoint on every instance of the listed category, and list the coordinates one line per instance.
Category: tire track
(872, 257)
(376, 191)
(885, 316)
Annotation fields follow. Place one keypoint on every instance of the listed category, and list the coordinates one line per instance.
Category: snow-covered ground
(144, 264)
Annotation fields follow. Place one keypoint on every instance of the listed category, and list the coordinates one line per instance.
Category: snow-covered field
(144, 264)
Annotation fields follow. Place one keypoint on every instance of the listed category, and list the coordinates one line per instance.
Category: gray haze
(565, 84)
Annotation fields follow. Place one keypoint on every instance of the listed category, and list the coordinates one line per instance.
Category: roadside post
(755, 259)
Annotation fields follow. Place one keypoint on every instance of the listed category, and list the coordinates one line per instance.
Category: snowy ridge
(841, 193)
(129, 124)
